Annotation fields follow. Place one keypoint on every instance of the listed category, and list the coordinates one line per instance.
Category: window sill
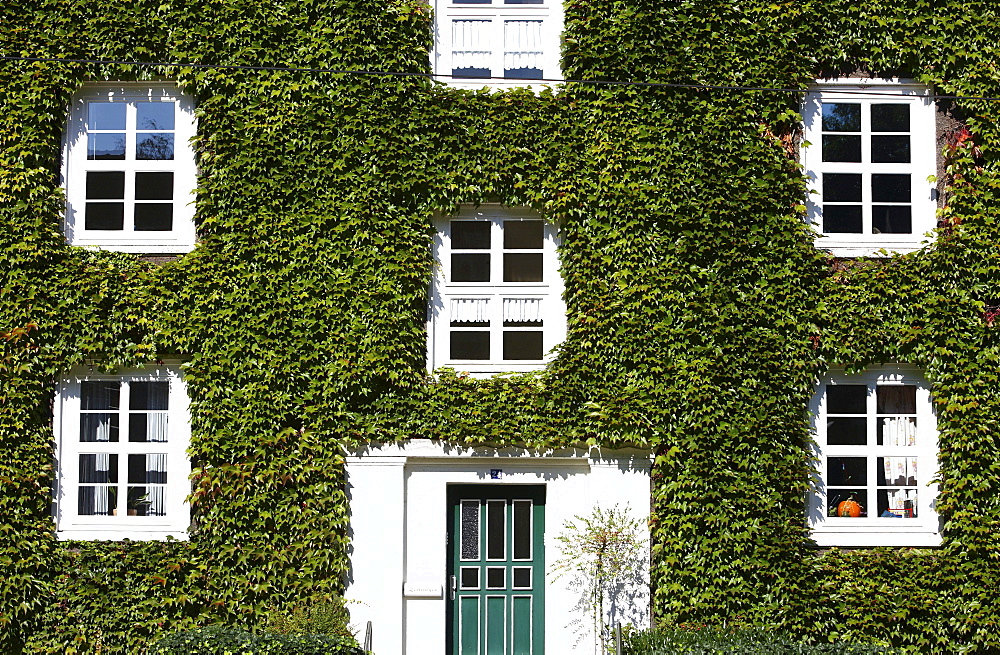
(915, 539)
(118, 534)
(143, 247)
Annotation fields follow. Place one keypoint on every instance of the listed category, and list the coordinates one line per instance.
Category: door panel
(496, 568)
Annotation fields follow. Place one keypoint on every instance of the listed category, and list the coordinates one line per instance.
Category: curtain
(470, 310)
(900, 431)
(522, 310)
(156, 426)
(522, 44)
(470, 43)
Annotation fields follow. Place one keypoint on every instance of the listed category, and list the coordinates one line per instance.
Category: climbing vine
(699, 313)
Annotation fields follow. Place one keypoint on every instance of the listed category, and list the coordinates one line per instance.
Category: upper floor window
(877, 456)
(871, 163)
(496, 302)
(122, 466)
(476, 40)
(129, 170)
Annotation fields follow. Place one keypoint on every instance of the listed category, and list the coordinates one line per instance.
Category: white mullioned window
(129, 169)
(871, 162)
(496, 301)
(476, 40)
(122, 465)
(877, 446)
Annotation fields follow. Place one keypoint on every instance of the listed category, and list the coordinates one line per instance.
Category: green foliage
(321, 618)
(232, 641)
(705, 640)
(699, 313)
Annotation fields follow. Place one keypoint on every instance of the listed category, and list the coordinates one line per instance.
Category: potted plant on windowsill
(138, 503)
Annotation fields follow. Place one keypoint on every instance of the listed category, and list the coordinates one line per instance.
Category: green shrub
(745, 641)
(318, 618)
(217, 640)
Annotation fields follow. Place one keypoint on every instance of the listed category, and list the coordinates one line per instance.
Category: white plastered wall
(398, 530)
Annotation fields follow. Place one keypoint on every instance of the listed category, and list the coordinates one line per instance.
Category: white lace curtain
(470, 310)
(522, 310)
(522, 44)
(470, 43)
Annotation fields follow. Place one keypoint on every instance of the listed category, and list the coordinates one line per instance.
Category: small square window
(128, 169)
(122, 463)
(870, 156)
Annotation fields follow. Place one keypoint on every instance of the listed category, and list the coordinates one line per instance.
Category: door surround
(398, 530)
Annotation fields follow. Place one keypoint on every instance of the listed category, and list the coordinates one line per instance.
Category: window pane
(470, 268)
(847, 471)
(523, 2)
(496, 529)
(105, 184)
(889, 150)
(521, 235)
(149, 395)
(900, 503)
(495, 577)
(522, 529)
(896, 399)
(154, 146)
(471, 2)
(842, 219)
(99, 426)
(841, 117)
(469, 345)
(837, 496)
(890, 118)
(891, 219)
(890, 188)
(105, 116)
(471, 72)
(154, 217)
(847, 431)
(841, 187)
(154, 115)
(528, 73)
(470, 529)
(99, 467)
(522, 577)
(154, 186)
(897, 471)
(523, 345)
(146, 501)
(100, 394)
(522, 267)
(97, 501)
(470, 235)
(846, 399)
(104, 146)
(147, 468)
(470, 577)
(900, 431)
(151, 427)
(841, 147)
(104, 216)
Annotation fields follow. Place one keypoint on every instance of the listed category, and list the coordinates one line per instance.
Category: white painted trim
(398, 527)
(921, 167)
(181, 238)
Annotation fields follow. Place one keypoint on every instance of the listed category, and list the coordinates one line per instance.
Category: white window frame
(550, 13)
(66, 424)
(922, 531)
(548, 292)
(181, 238)
(922, 166)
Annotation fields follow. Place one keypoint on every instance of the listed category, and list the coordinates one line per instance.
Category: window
(122, 464)
(496, 304)
(129, 170)
(476, 40)
(870, 158)
(877, 455)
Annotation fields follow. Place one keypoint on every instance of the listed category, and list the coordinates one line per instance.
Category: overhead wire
(379, 73)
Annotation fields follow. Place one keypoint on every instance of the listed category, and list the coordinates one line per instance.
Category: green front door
(496, 569)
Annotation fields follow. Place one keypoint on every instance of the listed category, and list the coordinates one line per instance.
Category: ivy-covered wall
(699, 312)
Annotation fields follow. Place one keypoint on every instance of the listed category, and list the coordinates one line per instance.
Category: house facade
(370, 299)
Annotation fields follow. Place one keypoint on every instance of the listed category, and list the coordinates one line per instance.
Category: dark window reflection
(842, 431)
(891, 118)
(523, 73)
(154, 217)
(522, 345)
(841, 187)
(891, 219)
(470, 345)
(523, 235)
(842, 219)
(890, 188)
(891, 149)
(154, 186)
(846, 399)
(105, 185)
(847, 471)
(104, 216)
(522, 267)
(841, 117)
(470, 72)
(896, 399)
(103, 146)
(470, 267)
(841, 147)
(470, 235)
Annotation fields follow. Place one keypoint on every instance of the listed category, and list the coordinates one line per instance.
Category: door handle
(453, 585)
